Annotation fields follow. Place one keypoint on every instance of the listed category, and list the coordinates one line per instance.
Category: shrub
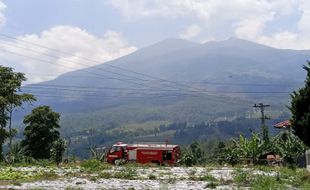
(152, 176)
(57, 150)
(188, 159)
(211, 185)
(207, 178)
(94, 165)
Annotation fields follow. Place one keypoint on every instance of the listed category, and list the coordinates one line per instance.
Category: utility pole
(262, 107)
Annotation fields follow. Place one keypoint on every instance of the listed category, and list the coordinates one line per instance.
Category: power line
(41, 60)
(245, 84)
(132, 71)
(106, 64)
(106, 96)
(141, 84)
(263, 117)
(193, 82)
(66, 60)
(49, 62)
(100, 88)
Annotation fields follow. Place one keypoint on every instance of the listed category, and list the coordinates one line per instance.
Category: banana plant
(290, 147)
(251, 148)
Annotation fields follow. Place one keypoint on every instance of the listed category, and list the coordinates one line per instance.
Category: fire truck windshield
(115, 149)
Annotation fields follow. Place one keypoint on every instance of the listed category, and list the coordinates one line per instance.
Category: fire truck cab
(144, 153)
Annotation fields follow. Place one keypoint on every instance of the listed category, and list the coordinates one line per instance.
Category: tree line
(41, 136)
(42, 139)
(289, 144)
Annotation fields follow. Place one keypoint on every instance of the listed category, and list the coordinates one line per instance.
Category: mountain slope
(177, 68)
(172, 81)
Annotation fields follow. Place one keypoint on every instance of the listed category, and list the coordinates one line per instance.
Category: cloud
(264, 21)
(2, 17)
(75, 42)
(289, 38)
(204, 10)
(190, 32)
(251, 27)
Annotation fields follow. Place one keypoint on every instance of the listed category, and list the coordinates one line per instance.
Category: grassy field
(92, 174)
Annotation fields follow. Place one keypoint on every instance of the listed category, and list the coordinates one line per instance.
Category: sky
(47, 38)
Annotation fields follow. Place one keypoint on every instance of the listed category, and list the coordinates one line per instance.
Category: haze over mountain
(174, 81)
(179, 67)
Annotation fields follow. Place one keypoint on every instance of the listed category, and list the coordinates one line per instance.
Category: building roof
(283, 124)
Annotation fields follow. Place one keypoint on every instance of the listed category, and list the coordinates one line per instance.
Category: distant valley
(173, 81)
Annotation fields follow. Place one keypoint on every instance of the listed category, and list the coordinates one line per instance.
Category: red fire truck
(159, 153)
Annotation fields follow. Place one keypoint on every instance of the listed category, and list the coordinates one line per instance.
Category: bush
(57, 150)
(207, 178)
(211, 185)
(152, 176)
(94, 165)
(188, 159)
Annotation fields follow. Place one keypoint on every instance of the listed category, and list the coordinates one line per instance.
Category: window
(115, 149)
(167, 154)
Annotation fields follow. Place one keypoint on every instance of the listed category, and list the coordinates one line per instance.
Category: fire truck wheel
(156, 162)
(117, 162)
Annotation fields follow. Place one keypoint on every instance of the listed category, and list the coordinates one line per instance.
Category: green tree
(41, 131)
(300, 108)
(10, 98)
(197, 152)
(218, 153)
(232, 154)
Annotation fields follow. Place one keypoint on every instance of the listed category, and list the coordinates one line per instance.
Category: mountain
(173, 81)
(178, 67)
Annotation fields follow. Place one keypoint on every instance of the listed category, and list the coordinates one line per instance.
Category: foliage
(57, 150)
(193, 155)
(289, 147)
(219, 153)
(3, 136)
(126, 173)
(250, 148)
(197, 152)
(300, 108)
(152, 177)
(10, 97)
(208, 134)
(262, 182)
(105, 175)
(232, 154)
(18, 154)
(41, 131)
(274, 178)
(207, 177)
(97, 153)
(256, 181)
(242, 178)
(211, 185)
(10, 173)
(94, 165)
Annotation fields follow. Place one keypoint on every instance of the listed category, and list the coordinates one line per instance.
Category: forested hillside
(173, 81)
